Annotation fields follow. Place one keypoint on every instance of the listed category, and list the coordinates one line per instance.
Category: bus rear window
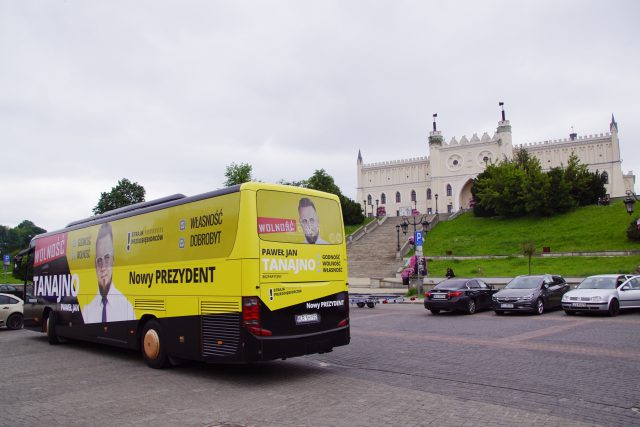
(298, 218)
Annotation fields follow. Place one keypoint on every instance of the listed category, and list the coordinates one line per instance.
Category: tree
(322, 181)
(529, 249)
(238, 174)
(124, 194)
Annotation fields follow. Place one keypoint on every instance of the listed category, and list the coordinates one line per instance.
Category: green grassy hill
(588, 229)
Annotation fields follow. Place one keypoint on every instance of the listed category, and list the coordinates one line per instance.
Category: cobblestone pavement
(403, 367)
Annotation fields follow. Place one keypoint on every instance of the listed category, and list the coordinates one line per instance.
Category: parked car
(10, 311)
(467, 295)
(604, 293)
(10, 289)
(536, 293)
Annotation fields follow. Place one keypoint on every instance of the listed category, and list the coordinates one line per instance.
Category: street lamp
(436, 203)
(398, 233)
(376, 208)
(365, 207)
(423, 221)
(629, 201)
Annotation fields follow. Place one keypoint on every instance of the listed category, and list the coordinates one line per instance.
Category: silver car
(606, 293)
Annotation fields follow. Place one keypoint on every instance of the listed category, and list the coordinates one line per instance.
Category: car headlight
(597, 299)
(527, 297)
(565, 298)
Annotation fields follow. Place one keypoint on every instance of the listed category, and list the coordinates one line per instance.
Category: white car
(606, 293)
(11, 311)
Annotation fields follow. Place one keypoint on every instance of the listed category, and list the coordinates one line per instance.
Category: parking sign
(418, 238)
(7, 260)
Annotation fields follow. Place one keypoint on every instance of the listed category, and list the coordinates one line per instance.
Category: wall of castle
(451, 167)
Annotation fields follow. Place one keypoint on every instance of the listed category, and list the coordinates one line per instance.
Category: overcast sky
(168, 93)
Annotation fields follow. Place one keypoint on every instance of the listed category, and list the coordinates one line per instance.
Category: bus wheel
(153, 346)
(50, 328)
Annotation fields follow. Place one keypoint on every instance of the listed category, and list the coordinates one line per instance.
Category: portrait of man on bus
(309, 221)
(109, 304)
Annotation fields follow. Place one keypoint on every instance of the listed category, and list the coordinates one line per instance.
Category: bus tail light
(345, 321)
(251, 317)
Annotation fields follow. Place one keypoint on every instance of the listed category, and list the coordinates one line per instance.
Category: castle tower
(435, 136)
(503, 135)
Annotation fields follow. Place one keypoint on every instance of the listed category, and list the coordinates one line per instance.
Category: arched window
(449, 191)
(397, 197)
(383, 198)
(369, 199)
(605, 177)
(413, 195)
(428, 194)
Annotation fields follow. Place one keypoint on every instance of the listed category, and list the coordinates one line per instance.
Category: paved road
(404, 367)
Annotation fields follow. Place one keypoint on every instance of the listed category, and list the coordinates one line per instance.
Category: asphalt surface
(404, 366)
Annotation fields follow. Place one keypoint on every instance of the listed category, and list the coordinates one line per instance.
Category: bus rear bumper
(270, 348)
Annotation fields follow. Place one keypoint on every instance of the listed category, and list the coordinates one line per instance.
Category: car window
(482, 285)
(557, 280)
(634, 283)
(524, 282)
(451, 284)
(7, 300)
(473, 284)
(598, 283)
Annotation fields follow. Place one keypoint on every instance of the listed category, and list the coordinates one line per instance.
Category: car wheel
(370, 304)
(50, 328)
(471, 307)
(539, 306)
(499, 312)
(570, 313)
(14, 321)
(434, 311)
(360, 304)
(152, 344)
(614, 308)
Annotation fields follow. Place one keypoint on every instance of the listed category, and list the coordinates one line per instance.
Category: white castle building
(442, 181)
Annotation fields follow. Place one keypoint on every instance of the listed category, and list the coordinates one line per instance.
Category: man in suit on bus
(109, 304)
(309, 221)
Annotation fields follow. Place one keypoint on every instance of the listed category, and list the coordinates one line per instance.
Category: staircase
(374, 255)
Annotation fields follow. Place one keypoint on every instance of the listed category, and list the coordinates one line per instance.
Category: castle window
(605, 177)
(369, 199)
(383, 198)
(397, 197)
(413, 195)
(449, 190)
(428, 194)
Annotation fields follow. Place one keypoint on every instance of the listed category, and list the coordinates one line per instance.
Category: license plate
(578, 304)
(439, 296)
(303, 319)
(506, 305)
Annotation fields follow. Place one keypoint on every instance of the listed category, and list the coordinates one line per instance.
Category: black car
(467, 295)
(531, 293)
(10, 289)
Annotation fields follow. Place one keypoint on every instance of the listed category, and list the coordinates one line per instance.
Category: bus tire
(153, 346)
(50, 328)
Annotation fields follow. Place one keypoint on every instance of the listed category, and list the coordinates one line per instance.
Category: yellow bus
(252, 272)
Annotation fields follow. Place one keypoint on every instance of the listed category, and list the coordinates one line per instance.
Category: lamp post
(398, 233)
(629, 201)
(364, 203)
(376, 208)
(423, 221)
(436, 203)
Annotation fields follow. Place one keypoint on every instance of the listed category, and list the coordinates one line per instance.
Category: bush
(633, 232)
